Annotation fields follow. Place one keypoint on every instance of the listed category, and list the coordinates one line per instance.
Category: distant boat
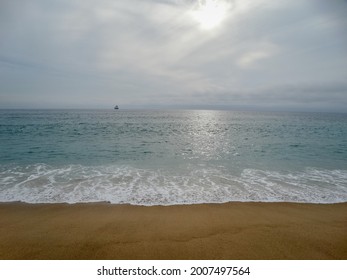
(116, 107)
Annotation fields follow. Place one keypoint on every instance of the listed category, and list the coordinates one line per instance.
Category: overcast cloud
(145, 53)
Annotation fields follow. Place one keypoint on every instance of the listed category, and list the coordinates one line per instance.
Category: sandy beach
(207, 231)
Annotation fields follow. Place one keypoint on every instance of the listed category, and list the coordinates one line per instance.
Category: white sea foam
(42, 183)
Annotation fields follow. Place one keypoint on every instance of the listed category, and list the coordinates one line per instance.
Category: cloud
(258, 53)
(145, 52)
(314, 97)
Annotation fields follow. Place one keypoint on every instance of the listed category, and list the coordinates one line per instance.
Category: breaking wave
(41, 183)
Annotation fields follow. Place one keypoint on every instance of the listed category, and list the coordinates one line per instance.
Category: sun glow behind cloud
(210, 13)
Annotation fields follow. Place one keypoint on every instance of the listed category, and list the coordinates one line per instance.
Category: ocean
(166, 157)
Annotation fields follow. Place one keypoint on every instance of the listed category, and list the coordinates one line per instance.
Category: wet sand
(207, 231)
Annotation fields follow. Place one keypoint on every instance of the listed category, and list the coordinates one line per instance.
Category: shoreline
(233, 230)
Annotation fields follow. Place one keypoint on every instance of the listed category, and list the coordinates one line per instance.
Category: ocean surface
(172, 157)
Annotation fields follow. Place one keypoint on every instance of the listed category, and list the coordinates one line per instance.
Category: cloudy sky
(251, 54)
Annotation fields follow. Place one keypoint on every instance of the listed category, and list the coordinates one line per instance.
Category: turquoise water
(172, 157)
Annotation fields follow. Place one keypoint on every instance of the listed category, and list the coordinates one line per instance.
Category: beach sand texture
(207, 231)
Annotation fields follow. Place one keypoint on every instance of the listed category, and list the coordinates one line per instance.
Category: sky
(248, 54)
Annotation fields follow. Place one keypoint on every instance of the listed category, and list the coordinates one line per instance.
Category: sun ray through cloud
(209, 14)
